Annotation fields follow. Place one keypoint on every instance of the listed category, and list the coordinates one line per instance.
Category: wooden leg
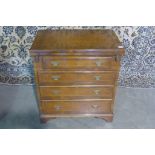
(45, 120)
(107, 118)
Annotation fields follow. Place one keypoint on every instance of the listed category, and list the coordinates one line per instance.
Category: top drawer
(77, 62)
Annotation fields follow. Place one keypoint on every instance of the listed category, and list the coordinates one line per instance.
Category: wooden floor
(134, 108)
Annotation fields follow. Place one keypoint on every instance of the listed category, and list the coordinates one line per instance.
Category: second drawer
(76, 92)
(66, 78)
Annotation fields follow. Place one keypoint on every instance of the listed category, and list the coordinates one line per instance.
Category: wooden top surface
(75, 39)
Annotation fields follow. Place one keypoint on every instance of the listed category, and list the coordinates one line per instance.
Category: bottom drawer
(76, 107)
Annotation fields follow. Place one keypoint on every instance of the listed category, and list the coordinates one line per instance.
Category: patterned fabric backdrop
(138, 64)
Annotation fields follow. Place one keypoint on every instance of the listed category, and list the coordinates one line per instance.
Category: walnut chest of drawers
(76, 72)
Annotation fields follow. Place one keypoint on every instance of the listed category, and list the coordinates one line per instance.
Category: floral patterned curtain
(138, 64)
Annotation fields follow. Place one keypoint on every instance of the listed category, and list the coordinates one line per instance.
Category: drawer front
(106, 63)
(58, 78)
(76, 107)
(91, 92)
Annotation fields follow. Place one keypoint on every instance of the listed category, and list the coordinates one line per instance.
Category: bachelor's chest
(76, 72)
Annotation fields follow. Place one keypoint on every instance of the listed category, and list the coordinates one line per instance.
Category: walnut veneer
(76, 72)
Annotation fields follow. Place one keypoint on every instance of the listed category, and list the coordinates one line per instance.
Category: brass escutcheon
(98, 63)
(56, 77)
(97, 77)
(57, 107)
(56, 92)
(55, 63)
(94, 106)
(97, 91)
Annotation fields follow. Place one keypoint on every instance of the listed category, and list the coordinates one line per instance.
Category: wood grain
(76, 72)
(74, 107)
(73, 92)
(75, 39)
(76, 78)
(98, 63)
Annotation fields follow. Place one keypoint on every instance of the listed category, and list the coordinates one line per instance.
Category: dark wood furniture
(76, 72)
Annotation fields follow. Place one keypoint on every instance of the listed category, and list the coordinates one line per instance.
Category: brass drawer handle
(98, 63)
(94, 106)
(97, 91)
(56, 92)
(55, 63)
(57, 107)
(56, 77)
(97, 77)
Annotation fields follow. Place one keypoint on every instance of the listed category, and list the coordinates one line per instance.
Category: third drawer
(76, 92)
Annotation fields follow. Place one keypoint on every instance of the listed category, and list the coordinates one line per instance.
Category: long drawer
(76, 107)
(77, 62)
(75, 92)
(83, 78)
